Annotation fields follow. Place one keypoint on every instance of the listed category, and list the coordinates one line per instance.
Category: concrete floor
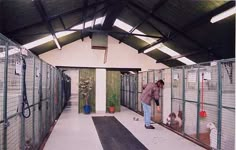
(75, 131)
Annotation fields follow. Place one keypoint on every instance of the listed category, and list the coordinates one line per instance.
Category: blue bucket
(87, 109)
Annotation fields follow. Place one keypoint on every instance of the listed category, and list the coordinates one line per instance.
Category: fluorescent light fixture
(162, 48)
(60, 34)
(57, 43)
(167, 50)
(223, 15)
(186, 61)
(126, 27)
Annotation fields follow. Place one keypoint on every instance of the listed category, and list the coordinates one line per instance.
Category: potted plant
(112, 100)
(85, 86)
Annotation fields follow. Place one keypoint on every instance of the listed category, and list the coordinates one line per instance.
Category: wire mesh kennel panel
(177, 83)
(191, 100)
(140, 84)
(37, 112)
(59, 92)
(48, 99)
(55, 94)
(166, 105)
(135, 91)
(14, 98)
(29, 90)
(208, 81)
(130, 82)
(133, 99)
(177, 95)
(144, 79)
(2, 64)
(51, 96)
(122, 89)
(43, 100)
(157, 75)
(126, 91)
(228, 105)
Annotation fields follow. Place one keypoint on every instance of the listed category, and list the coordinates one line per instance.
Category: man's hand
(158, 109)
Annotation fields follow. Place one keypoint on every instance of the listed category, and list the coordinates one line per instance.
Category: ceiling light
(167, 50)
(162, 48)
(186, 61)
(223, 15)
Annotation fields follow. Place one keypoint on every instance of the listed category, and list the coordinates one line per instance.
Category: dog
(213, 135)
(175, 121)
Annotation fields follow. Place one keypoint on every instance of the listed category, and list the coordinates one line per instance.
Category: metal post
(21, 115)
(59, 89)
(58, 96)
(136, 89)
(34, 103)
(130, 92)
(6, 123)
(219, 105)
(130, 102)
(50, 98)
(121, 89)
(40, 101)
(46, 100)
(183, 95)
(198, 101)
(53, 84)
(154, 107)
(171, 90)
(161, 99)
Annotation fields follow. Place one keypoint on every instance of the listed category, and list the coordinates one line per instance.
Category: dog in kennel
(213, 135)
(174, 120)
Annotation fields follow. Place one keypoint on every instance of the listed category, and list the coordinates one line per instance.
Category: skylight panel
(60, 34)
(186, 61)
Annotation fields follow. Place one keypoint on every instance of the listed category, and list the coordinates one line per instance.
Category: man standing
(150, 91)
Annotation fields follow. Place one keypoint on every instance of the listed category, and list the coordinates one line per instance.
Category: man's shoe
(149, 127)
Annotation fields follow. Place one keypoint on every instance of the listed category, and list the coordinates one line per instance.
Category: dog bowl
(203, 114)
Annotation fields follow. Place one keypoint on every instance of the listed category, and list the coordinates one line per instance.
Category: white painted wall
(80, 54)
(100, 90)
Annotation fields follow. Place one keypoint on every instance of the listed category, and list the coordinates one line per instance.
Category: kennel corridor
(73, 131)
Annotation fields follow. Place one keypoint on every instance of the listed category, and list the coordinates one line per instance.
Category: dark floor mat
(114, 136)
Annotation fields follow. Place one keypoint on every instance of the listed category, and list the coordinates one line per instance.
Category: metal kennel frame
(206, 87)
(34, 85)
